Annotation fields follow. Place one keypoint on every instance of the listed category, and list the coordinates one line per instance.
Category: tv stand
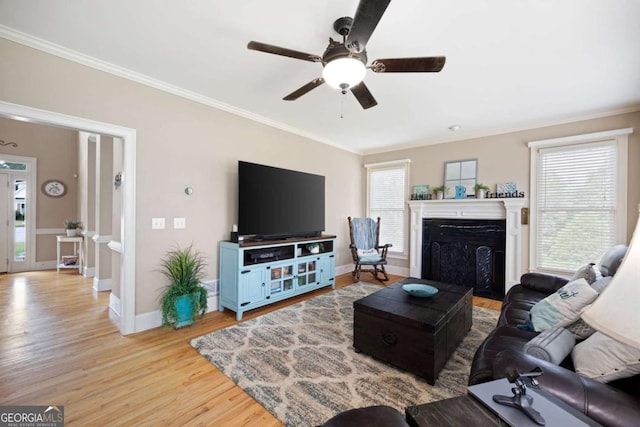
(257, 273)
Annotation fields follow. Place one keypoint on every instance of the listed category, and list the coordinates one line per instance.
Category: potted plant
(72, 227)
(480, 190)
(441, 191)
(185, 297)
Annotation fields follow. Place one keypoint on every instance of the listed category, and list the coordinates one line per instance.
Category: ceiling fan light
(341, 71)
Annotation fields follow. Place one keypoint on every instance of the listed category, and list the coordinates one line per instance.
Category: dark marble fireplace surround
(469, 252)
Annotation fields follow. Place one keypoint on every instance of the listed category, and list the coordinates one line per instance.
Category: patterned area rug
(299, 363)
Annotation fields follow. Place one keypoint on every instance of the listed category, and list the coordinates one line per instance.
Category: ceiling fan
(345, 63)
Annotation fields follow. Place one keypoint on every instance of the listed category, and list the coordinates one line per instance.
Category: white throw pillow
(552, 345)
(562, 307)
(605, 359)
(587, 272)
(601, 284)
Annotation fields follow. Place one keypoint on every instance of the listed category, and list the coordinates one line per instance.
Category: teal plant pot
(184, 307)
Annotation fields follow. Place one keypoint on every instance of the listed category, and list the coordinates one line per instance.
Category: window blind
(576, 209)
(387, 200)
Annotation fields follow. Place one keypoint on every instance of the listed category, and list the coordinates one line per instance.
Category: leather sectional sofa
(614, 404)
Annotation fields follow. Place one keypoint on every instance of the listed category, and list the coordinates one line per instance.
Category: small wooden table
(415, 334)
(75, 260)
(458, 411)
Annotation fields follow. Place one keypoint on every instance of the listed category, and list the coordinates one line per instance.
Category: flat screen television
(276, 203)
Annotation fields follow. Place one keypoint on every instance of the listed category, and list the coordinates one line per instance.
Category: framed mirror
(460, 172)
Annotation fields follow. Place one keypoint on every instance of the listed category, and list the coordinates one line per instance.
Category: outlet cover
(179, 223)
(157, 223)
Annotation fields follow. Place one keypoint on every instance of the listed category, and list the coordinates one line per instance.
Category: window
(462, 173)
(387, 199)
(578, 199)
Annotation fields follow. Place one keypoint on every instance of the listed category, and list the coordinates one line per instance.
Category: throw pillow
(605, 359)
(562, 307)
(552, 345)
(601, 284)
(580, 329)
(587, 272)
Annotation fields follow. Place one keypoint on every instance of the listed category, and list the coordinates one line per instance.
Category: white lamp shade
(344, 71)
(616, 312)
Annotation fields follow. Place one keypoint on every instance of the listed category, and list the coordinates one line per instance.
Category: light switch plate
(157, 223)
(179, 223)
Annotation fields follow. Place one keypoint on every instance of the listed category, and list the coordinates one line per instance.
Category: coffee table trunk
(415, 334)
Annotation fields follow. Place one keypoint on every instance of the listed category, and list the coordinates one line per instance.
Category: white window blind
(387, 200)
(576, 204)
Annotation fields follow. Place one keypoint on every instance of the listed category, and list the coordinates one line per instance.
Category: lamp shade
(344, 71)
(616, 312)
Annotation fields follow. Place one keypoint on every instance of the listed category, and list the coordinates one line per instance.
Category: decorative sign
(507, 187)
(461, 192)
(54, 188)
(420, 192)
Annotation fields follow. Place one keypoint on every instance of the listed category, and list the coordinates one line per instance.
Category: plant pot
(480, 194)
(184, 307)
(72, 232)
(439, 195)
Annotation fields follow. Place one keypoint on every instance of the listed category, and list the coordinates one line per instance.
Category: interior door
(4, 221)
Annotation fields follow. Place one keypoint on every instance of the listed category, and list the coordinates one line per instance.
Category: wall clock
(54, 188)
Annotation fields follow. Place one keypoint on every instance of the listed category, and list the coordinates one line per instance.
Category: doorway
(17, 219)
(127, 232)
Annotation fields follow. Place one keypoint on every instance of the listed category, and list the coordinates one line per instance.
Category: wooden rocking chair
(366, 249)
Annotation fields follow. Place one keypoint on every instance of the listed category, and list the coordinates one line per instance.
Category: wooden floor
(58, 346)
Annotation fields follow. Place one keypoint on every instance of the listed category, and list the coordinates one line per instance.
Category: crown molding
(107, 67)
(494, 132)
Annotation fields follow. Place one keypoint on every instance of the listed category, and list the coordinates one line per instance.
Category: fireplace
(468, 252)
(508, 209)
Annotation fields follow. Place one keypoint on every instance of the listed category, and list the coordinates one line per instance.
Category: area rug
(298, 362)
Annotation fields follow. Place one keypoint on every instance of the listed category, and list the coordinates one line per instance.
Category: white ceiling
(511, 64)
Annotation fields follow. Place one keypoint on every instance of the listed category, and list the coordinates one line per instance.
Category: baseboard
(398, 271)
(114, 304)
(153, 319)
(100, 285)
(150, 320)
(89, 271)
(45, 265)
(392, 269)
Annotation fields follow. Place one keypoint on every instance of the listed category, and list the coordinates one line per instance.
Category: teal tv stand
(254, 274)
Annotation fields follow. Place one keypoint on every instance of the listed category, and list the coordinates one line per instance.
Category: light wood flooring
(59, 347)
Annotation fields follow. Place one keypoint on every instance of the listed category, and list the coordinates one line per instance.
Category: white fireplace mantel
(508, 209)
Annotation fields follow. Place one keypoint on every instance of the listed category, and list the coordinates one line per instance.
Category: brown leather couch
(614, 404)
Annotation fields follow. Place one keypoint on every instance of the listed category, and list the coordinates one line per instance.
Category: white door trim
(128, 237)
(30, 175)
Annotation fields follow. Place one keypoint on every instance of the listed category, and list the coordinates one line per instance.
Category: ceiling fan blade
(304, 89)
(364, 97)
(428, 64)
(366, 19)
(277, 50)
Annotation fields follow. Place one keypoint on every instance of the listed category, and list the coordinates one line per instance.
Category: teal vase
(184, 307)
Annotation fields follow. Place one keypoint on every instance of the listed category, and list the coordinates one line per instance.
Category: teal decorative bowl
(419, 290)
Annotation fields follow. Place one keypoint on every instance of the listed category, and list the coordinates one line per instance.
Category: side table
(69, 261)
(457, 411)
